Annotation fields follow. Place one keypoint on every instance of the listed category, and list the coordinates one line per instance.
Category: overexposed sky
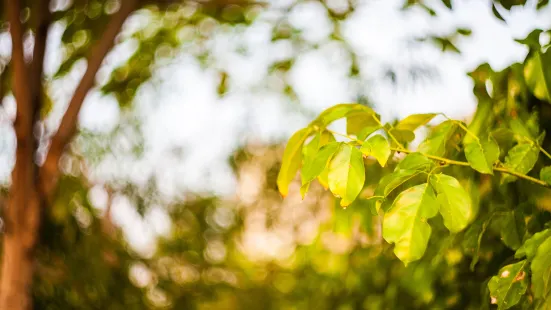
(179, 108)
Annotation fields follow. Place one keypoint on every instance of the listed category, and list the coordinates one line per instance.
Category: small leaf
(391, 181)
(405, 223)
(521, 158)
(541, 270)
(361, 123)
(513, 228)
(438, 140)
(292, 158)
(481, 154)
(414, 121)
(455, 203)
(402, 135)
(530, 246)
(319, 162)
(378, 147)
(545, 174)
(415, 161)
(338, 111)
(346, 174)
(538, 75)
(509, 285)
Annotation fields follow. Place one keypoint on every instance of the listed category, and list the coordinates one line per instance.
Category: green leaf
(391, 181)
(455, 203)
(513, 227)
(346, 174)
(538, 75)
(313, 168)
(339, 111)
(405, 223)
(482, 154)
(521, 158)
(361, 123)
(509, 285)
(532, 40)
(530, 246)
(545, 174)
(402, 135)
(438, 140)
(415, 161)
(541, 270)
(378, 147)
(414, 121)
(292, 158)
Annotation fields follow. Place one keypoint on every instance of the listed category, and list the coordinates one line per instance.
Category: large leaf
(481, 154)
(521, 158)
(405, 223)
(292, 158)
(391, 181)
(402, 135)
(530, 246)
(545, 174)
(346, 174)
(438, 140)
(509, 285)
(339, 111)
(541, 270)
(537, 73)
(415, 161)
(455, 203)
(414, 121)
(314, 167)
(378, 147)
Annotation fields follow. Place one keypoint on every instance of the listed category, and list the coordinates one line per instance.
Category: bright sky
(181, 109)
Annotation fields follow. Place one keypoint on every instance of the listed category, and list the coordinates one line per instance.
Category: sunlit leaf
(509, 285)
(346, 173)
(319, 162)
(361, 123)
(339, 111)
(541, 270)
(482, 154)
(538, 75)
(436, 143)
(292, 159)
(415, 161)
(391, 181)
(521, 158)
(545, 174)
(414, 121)
(405, 223)
(402, 135)
(531, 245)
(378, 147)
(455, 203)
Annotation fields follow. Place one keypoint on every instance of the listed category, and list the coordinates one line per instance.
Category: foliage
(440, 177)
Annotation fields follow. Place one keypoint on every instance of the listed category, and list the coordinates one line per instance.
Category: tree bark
(22, 212)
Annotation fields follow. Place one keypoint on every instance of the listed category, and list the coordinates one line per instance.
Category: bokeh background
(168, 197)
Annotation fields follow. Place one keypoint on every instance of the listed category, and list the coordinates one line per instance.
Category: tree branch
(42, 23)
(49, 171)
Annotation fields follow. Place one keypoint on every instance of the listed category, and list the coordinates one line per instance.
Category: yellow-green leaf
(521, 158)
(292, 159)
(541, 270)
(414, 121)
(405, 223)
(402, 135)
(509, 285)
(538, 75)
(545, 174)
(361, 123)
(338, 111)
(318, 163)
(455, 203)
(530, 246)
(378, 147)
(346, 173)
(415, 161)
(481, 154)
(436, 143)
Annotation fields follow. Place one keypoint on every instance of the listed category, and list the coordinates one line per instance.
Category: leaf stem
(400, 145)
(448, 161)
(544, 151)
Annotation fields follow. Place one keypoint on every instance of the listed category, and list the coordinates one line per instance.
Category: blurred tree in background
(257, 250)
